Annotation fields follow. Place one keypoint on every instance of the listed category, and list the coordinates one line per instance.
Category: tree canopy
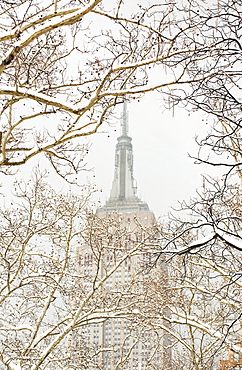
(65, 67)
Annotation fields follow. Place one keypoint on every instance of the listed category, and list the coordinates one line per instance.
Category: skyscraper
(126, 341)
(123, 198)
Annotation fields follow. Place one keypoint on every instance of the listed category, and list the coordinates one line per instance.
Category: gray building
(123, 197)
(121, 343)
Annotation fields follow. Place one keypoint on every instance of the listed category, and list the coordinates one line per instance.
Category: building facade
(233, 361)
(125, 341)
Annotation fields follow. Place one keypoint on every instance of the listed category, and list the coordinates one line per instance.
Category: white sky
(161, 142)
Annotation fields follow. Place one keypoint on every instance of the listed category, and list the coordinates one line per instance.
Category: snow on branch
(72, 17)
(232, 241)
(194, 245)
(42, 98)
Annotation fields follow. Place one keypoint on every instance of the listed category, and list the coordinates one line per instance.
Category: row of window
(87, 260)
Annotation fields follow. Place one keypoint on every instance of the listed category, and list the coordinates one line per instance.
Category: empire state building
(122, 329)
(123, 198)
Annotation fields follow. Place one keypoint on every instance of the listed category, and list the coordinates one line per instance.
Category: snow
(55, 19)
(195, 322)
(49, 24)
(136, 311)
(197, 243)
(16, 328)
(236, 348)
(235, 242)
(137, 90)
(31, 94)
(202, 241)
(16, 366)
(33, 32)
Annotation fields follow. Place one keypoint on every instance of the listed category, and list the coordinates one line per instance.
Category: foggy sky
(161, 141)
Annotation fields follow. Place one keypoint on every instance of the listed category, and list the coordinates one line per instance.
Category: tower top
(124, 121)
(123, 196)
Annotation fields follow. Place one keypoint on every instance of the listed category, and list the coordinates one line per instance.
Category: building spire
(123, 196)
(124, 122)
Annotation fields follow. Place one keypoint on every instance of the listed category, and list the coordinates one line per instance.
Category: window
(138, 237)
(88, 259)
(147, 260)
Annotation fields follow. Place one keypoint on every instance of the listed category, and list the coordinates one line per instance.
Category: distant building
(124, 347)
(234, 360)
(123, 198)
